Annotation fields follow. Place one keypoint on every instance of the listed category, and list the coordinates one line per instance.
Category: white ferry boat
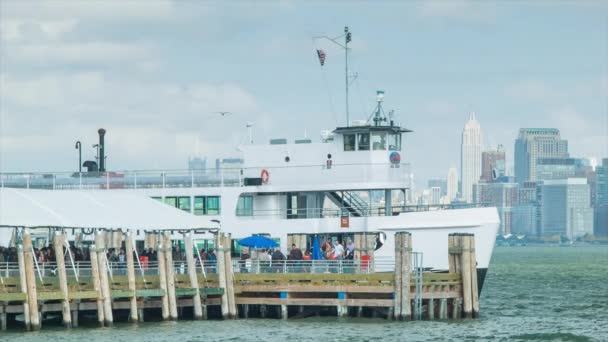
(352, 180)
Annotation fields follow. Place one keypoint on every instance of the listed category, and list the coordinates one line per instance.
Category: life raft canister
(265, 176)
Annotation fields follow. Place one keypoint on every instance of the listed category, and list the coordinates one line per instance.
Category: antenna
(347, 38)
(250, 129)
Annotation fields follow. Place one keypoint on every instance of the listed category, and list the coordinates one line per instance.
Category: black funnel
(102, 157)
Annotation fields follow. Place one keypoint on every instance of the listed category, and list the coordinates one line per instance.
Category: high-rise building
(502, 194)
(441, 183)
(533, 144)
(493, 164)
(525, 215)
(470, 157)
(601, 199)
(555, 168)
(435, 195)
(565, 208)
(452, 184)
(197, 164)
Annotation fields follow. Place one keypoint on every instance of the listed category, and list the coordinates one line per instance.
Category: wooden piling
(170, 274)
(131, 277)
(162, 276)
(31, 280)
(23, 284)
(100, 240)
(196, 299)
(232, 314)
(97, 283)
(3, 317)
(63, 282)
(474, 284)
(406, 275)
(398, 282)
(75, 313)
(465, 264)
(431, 306)
(451, 254)
(443, 308)
(221, 272)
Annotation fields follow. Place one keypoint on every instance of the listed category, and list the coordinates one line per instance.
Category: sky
(155, 73)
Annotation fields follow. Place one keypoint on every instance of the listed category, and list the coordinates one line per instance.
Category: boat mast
(347, 39)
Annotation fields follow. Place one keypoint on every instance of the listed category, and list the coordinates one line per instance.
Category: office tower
(504, 195)
(441, 183)
(555, 168)
(493, 164)
(601, 199)
(452, 184)
(565, 208)
(533, 144)
(470, 157)
(435, 195)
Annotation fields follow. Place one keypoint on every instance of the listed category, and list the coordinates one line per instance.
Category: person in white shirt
(338, 250)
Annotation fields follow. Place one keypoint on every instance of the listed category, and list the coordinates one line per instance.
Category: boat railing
(373, 210)
(177, 178)
(341, 266)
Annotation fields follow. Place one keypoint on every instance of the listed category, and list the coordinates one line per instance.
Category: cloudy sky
(153, 73)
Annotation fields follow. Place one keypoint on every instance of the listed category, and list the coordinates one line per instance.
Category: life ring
(265, 176)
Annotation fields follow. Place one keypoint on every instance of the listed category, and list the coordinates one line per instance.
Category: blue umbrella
(258, 241)
(316, 249)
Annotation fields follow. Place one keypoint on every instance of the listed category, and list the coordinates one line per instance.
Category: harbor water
(530, 294)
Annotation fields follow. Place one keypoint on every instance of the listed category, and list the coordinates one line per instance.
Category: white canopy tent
(90, 209)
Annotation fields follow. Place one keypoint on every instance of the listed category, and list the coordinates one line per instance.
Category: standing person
(326, 248)
(278, 260)
(339, 250)
(243, 262)
(295, 256)
(264, 260)
(212, 259)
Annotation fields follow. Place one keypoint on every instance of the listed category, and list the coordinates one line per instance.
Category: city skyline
(156, 79)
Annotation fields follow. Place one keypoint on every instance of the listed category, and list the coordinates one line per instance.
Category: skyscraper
(452, 184)
(533, 144)
(565, 208)
(493, 164)
(504, 195)
(601, 199)
(470, 157)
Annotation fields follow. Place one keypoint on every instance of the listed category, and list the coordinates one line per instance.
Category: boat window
(394, 142)
(363, 141)
(212, 205)
(199, 205)
(183, 203)
(244, 206)
(172, 201)
(349, 142)
(379, 141)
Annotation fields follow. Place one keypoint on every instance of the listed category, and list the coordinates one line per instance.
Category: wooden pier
(195, 290)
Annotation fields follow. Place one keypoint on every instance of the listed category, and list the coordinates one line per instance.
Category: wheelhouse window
(394, 142)
(172, 201)
(199, 205)
(244, 206)
(349, 142)
(379, 141)
(212, 205)
(363, 139)
(183, 203)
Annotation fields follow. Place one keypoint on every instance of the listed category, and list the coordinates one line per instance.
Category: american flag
(321, 55)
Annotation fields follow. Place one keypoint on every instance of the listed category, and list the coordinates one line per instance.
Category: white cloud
(113, 9)
(469, 9)
(43, 115)
(586, 137)
(82, 52)
(530, 89)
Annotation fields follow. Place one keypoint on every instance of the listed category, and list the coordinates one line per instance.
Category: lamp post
(96, 146)
(79, 148)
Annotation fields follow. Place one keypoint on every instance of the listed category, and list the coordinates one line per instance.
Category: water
(530, 294)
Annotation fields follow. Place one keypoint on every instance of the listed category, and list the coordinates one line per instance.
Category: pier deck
(236, 291)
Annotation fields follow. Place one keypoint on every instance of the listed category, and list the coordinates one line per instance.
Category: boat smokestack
(102, 157)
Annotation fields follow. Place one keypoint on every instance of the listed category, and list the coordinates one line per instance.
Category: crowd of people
(267, 260)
